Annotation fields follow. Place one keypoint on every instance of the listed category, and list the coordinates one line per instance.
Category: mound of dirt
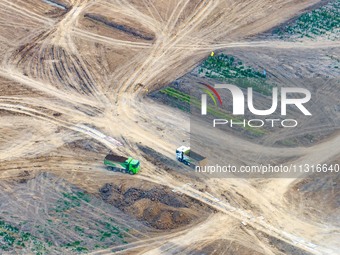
(156, 207)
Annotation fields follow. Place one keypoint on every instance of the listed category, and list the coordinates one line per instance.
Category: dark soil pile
(156, 207)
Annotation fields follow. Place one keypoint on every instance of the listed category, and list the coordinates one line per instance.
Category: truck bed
(195, 156)
(197, 159)
(115, 158)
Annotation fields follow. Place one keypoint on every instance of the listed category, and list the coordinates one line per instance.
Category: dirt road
(77, 89)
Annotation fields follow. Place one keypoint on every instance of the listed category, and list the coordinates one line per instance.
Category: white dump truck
(190, 158)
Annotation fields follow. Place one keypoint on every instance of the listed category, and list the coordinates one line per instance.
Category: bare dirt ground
(74, 79)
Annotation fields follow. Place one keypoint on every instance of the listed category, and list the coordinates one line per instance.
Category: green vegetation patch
(76, 246)
(71, 200)
(319, 22)
(11, 238)
(225, 68)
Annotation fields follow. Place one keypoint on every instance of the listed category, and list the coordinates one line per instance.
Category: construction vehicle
(122, 164)
(190, 158)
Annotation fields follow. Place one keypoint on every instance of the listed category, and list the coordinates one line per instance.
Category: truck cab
(132, 165)
(182, 154)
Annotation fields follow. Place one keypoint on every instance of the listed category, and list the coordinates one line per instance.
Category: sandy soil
(71, 92)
